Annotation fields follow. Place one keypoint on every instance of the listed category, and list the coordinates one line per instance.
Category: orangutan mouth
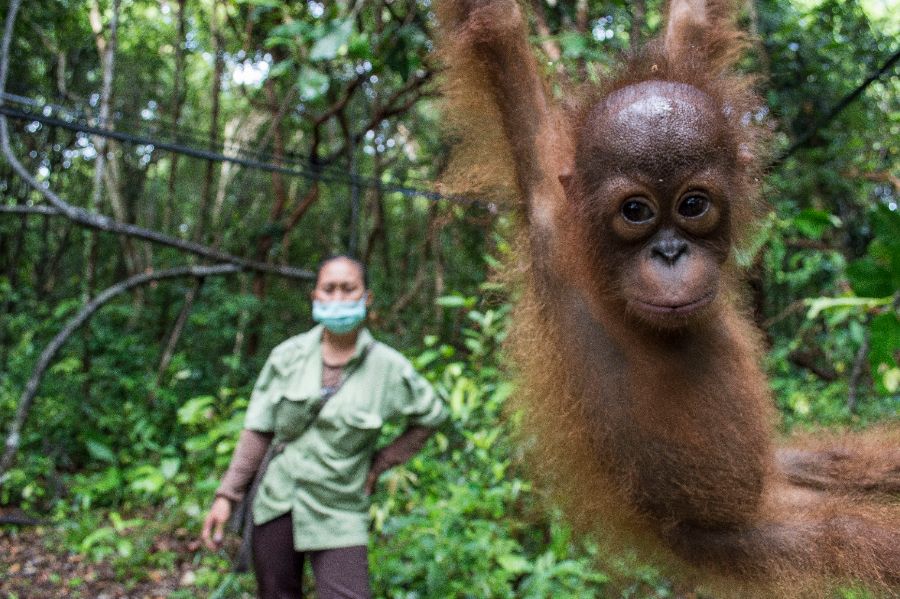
(677, 309)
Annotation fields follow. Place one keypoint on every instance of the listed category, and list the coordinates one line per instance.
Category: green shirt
(320, 474)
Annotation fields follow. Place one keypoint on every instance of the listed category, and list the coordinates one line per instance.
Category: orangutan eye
(637, 211)
(693, 206)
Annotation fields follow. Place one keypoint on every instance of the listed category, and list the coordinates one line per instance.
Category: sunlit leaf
(817, 305)
(99, 451)
(169, 467)
(195, 409)
(516, 564)
(312, 83)
(333, 42)
(451, 301)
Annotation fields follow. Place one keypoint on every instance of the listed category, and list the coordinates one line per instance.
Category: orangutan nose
(669, 249)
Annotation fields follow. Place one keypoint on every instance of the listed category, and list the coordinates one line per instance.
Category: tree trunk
(353, 233)
(175, 335)
(12, 276)
(260, 283)
(434, 233)
(215, 94)
(379, 230)
(179, 93)
(859, 370)
(238, 133)
(108, 167)
(300, 209)
(199, 233)
(237, 348)
(106, 49)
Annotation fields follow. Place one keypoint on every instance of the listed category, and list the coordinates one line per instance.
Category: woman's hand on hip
(379, 465)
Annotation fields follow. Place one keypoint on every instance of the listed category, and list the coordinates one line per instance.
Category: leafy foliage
(119, 450)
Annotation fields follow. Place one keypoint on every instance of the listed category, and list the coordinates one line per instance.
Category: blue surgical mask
(340, 317)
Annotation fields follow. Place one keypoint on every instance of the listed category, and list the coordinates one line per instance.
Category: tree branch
(875, 177)
(101, 222)
(31, 387)
(104, 223)
(840, 106)
(30, 210)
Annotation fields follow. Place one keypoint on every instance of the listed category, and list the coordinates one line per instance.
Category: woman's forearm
(401, 449)
(248, 454)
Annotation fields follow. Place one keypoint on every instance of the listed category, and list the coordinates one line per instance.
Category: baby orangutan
(642, 394)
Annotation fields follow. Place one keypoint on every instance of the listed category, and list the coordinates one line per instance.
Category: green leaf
(101, 535)
(813, 223)
(884, 340)
(169, 467)
(868, 278)
(333, 42)
(886, 224)
(891, 380)
(65, 307)
(261, 3)
(359, 47)
(313, 84)
(99, 451)
(290, 31)
(573, 44)
(451, 301)
(195, 410)
(503, 391)
(146, 478)
(281, 68)
(426, 358)
(110, 480)
(515, 564)
(67, 366)
(198, 443)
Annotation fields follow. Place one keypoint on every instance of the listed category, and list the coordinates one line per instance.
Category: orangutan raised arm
(641, 390)
(493, 70)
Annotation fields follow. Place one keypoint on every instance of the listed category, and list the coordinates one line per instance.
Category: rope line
(215, 156)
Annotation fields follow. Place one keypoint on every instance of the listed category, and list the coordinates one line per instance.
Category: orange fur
(656, 441)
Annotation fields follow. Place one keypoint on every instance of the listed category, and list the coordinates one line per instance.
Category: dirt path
(34, 565)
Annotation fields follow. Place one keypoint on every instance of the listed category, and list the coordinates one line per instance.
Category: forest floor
(35, 563)
(35, 568)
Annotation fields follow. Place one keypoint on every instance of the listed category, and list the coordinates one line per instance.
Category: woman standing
(320, 402)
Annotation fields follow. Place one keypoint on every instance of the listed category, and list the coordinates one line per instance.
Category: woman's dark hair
(356, 261)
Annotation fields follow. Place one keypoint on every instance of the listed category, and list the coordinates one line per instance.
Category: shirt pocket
(356, 430)
(293, 416)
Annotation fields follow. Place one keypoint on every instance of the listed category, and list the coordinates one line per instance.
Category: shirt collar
(363, 340)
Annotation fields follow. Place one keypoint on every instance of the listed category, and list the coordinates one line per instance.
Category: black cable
(150, 127)
(245, 162)
(159, 126)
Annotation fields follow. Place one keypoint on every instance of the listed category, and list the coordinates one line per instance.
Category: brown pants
(341, 573)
